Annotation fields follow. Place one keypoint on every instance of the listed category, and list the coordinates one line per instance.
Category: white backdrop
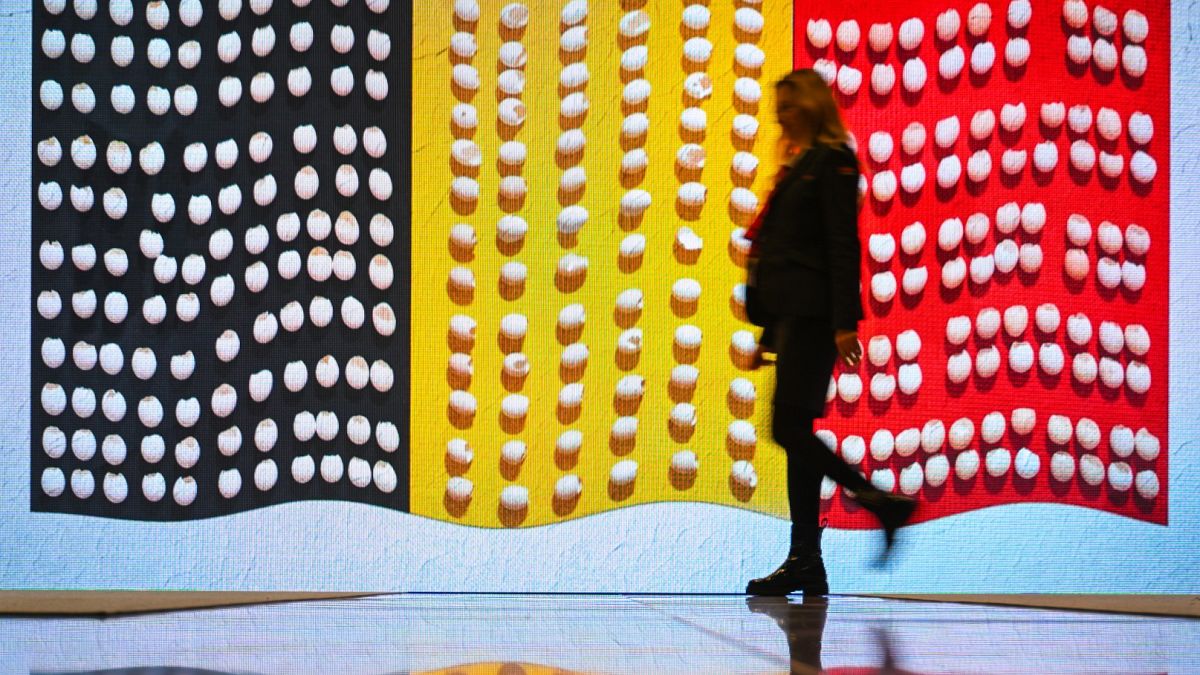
(662, 547)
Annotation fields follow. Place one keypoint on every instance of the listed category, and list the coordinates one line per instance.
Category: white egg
(1017, 52)
(749, 57)
(1012, 117)
(827, 69)
(987, 323)
(951, 63)
(51, 94)
(1146, 482)
(849, 387)
(1142, 167)
(910, 34)
(949, 171)
(1104, 54)
(954, 272)
(1084, 368)
(574, 39)
(1146, 444)
(1045, 156)
(83, 98)
(983, 57)
(987, 362)
(966, 465)
(1133, 60)
(1135, 25)
(820, 33)
(914, 74)
(998, 461)
(1137, 339)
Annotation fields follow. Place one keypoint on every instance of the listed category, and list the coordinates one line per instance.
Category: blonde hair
(817, 109)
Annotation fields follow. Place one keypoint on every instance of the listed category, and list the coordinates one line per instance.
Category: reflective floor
(513, 634)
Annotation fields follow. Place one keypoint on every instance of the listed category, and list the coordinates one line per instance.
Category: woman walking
(804, 291)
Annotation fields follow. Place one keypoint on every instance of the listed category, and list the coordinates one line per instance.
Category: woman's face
(787, 111)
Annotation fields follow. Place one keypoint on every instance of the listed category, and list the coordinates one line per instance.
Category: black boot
(803, 571)
(893, 512)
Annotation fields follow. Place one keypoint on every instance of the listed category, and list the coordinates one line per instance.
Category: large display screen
(464, 281)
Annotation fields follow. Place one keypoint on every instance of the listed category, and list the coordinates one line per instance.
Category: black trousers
(805, 355)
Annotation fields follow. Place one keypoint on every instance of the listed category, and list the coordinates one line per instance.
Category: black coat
(808, 248)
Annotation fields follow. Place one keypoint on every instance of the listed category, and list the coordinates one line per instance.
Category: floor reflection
(559, 634)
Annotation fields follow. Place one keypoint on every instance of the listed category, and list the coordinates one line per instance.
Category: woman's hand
(760, 358)
(848, 347)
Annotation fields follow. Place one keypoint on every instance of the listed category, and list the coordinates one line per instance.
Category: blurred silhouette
(804, 289)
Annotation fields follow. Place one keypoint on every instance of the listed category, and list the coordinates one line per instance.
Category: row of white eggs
(933, 437)
(116, 260)
(113, 405)
(144, 363)
(353, 315)
(1009, 216)
(152, 157)
(980, 269)
(158, 99)
(229, 482)
(150, 411)
(512, 229)
(158, 13)
(511, 82)
(997, 462)
(1135, 241)
(956, 271)
(879, 348)
(187, 308)
(83, 49)
(301, 36)
(515, 15)
(571, 395)
(684, 377)
(162, 206)
(460, 455)
(262, 85)
(229, 442)
(979, 165)
(1081, 50)
(358, 375)
(1051, 359)
(262, 88)
(1110, 273)
(568, 488)
(229, 198)
(883, 386)
(1104, 20)
(914, 74)
(291, 318)
(880, 144)
(911, 32)
(1047, 319)
(1083, 156)
(510, 55)
(1006, 257)
(111, 358)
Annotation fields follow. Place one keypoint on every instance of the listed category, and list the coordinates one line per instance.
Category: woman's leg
(804, 570)
(793, 430)
(804, 495)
